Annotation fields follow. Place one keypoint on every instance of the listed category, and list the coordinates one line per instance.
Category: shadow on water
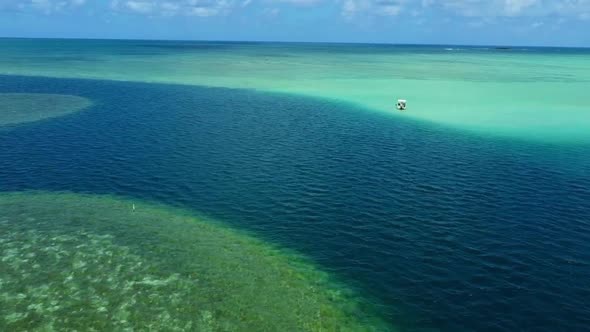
(449, 231)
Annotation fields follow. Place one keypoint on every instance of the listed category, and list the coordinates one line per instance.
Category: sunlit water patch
(16, 108)
(72, 262)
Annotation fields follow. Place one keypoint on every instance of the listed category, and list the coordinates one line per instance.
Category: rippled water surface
(442, 229)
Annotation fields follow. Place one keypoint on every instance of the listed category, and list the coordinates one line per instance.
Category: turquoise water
(529, 93)
(363, 214)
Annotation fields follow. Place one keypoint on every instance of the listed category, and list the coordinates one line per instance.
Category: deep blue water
(447, 230)
(92, 50)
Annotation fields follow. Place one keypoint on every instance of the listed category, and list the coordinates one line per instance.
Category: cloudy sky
(496, 22)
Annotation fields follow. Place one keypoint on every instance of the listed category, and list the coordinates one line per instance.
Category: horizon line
(289, 42)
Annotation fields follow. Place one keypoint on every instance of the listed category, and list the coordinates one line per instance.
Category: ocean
(470, 211)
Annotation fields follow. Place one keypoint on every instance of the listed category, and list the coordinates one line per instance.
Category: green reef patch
(99, 263)
(16, 108)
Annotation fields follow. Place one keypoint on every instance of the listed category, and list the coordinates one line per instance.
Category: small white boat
(401, 104)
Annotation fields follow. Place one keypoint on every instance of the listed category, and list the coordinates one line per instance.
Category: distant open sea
(478, 222)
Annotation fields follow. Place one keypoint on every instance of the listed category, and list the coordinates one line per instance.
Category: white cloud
(300, 2)
(510, 8)
(45, 6)
(140, 6)
(515, 7)
(352, 8)
(201, 8)
(477, 9)
(271, 12)
(483, 11)
(485, 7)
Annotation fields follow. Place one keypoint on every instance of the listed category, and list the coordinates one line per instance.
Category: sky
(473, 22)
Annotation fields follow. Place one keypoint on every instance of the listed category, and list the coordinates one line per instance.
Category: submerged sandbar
(18, 108)
(532, 94)
(96, 262)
